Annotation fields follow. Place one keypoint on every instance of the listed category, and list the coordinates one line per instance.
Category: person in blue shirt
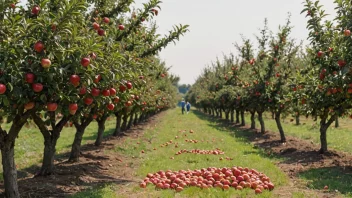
(188, 106)
(183, 104)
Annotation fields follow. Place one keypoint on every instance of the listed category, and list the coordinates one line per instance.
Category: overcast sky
(216, 25)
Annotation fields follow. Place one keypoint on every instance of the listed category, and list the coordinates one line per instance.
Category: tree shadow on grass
(94, 170)
(336, 178)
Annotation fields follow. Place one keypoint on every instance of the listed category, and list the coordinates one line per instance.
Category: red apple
(122, 88)
(82, 91)
(29, 105)
(73, 107)
(88, 100)
(37, 87)
(121, 27)
(74, 79)
(29, 78)
(97, 78)
(101, 32)
(2, 88)
(341, 63)
(105, 92)
(116, 99)
(38, 46)
(112, 91)
(143, 185)
(95, 116)
(85, 62)
(52, 106)
(347, 33)
(106, 20)
(35, 10)
(95, 92)
(111, 106)
(179, 189)
(96, 26)
(129, 85)
(128, 104)
(320, 54)
(141, 77)
(53, 27)
(12, 5)
(162, 75)
(258, 191)
(45, 63)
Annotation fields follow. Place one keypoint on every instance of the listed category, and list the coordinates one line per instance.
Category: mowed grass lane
(209, 138)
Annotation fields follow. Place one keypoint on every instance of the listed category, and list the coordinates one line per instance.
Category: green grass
(333, 177)
(106, 191)
(30, 144)
(243, 154)
(338, 138)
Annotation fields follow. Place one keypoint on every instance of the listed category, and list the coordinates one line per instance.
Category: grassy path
(154, 155)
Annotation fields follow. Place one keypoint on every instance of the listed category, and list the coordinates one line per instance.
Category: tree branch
(41, 125)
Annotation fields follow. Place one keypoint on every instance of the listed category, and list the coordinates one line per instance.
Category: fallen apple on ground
(204, 152)
(223, 178)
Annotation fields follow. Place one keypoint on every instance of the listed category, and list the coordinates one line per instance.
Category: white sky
(216, 25)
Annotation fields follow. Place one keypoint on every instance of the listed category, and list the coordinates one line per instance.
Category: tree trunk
(323, 139)
(220, 113)
(130, 121)
(50, 140)
(101, 129)
(252, 120)
(232, 115)
(76, 145)
(261, 121)
(237, 116)
(297, 119)
(49, 154)
(135, 119)
(337, 124)
(272, 115)
(9, 172)
(7, 144)
(141, 117)
(279, 126)
(227, 115)
(118, 124)
(243, 121)
(124, 123)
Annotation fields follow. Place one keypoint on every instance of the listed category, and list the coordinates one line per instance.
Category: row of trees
(77, 61)
(281, 76)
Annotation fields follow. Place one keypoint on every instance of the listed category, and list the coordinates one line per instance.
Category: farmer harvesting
(188, 106)
(183, 104)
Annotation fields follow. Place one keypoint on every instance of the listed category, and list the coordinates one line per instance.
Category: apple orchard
(281, 77)
(73, 62)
